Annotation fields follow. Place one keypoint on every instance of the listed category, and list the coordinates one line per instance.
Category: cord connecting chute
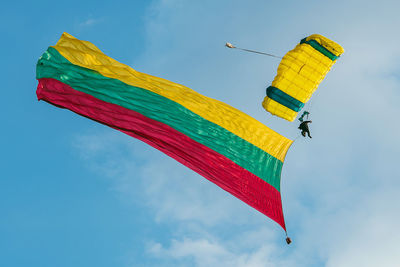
(229, 45)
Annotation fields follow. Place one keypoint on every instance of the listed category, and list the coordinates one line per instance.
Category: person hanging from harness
(304, 128)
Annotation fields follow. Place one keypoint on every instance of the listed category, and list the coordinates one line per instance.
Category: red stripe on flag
(201, 159)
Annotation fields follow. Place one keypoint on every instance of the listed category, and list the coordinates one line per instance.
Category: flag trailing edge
(226, 146)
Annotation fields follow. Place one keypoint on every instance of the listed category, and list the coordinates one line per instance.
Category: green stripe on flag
(53, 65)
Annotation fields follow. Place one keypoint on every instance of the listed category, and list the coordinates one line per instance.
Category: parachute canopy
(299, 74)
(221, 143)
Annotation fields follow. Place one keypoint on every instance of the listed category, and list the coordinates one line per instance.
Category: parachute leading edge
(299, 74)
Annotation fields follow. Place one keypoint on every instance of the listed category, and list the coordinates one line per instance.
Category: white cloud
(340, 189)
(84, 24)
(206, 252)
(88, 22)
(170, 190)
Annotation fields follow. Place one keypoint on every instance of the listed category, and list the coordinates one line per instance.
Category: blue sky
(76, 193)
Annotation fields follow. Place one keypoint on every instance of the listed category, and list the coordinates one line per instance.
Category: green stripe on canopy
(284, 99)
(317, 46)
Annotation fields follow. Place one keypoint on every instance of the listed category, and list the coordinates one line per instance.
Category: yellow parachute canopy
(299, 74)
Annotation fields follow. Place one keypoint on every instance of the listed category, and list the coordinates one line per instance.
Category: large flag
(221, 143)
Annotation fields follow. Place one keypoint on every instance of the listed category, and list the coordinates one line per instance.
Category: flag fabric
(229, 148)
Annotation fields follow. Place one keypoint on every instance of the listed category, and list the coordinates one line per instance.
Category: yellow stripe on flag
(87, 55)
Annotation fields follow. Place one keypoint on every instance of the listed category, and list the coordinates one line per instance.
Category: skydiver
(304, 128)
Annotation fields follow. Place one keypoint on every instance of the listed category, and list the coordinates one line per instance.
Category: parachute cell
(299, 74)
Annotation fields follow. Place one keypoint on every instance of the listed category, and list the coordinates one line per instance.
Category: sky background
(76, 193)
